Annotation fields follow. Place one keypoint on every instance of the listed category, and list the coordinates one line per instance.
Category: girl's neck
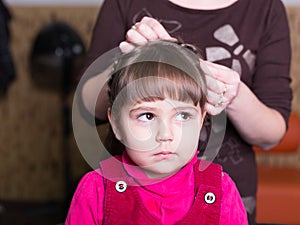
(204, 4)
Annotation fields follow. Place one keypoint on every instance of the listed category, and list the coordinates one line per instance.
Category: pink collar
(162, 186)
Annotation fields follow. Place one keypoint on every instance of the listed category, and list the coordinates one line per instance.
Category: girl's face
(159, 136)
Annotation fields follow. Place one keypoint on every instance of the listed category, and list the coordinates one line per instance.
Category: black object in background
(7, 70)
(56, 58)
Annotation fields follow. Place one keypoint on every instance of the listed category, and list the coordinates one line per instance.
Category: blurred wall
(31, 166)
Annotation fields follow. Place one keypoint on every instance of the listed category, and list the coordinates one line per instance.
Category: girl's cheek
(143, 133)
(140, 137)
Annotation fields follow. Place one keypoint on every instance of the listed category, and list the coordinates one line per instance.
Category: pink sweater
(169, 204)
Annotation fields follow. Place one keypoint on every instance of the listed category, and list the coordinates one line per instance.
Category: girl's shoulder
(232, 207)
(90, 183)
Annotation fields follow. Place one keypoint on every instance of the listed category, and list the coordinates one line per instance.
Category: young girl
(221, 29)
(157, 94)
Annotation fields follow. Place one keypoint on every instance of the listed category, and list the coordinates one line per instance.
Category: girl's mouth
(164, 154)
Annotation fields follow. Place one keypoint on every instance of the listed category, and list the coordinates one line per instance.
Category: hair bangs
(150, 81)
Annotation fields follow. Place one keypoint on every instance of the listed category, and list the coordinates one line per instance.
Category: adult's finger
(213, 110)
(135, 38)
(126, 47)
(146, 31)
(215, 85)
(220, 72)
(158, 28)
(216, 99)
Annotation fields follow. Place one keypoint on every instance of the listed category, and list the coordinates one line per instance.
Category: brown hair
(158, 70)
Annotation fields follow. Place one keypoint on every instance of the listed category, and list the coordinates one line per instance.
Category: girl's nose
(164, 131)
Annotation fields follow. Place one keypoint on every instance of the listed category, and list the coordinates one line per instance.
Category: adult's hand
(148, 29)
(264, 126)
(222, 86)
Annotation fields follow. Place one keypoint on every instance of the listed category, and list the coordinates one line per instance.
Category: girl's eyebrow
(179, 108)
(182, 108)
(143, 108)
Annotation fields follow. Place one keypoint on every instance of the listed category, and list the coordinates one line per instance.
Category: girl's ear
(113, 125)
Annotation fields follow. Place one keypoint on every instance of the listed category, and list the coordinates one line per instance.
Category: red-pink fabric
(206, 181)
(169, 202)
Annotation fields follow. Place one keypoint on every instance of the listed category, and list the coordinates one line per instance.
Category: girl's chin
(161, 173)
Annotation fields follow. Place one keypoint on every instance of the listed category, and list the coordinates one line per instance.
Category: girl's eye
(183, 116)
(146, 117)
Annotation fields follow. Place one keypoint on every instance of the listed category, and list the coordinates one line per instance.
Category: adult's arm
(109, 30)
(261, 114)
